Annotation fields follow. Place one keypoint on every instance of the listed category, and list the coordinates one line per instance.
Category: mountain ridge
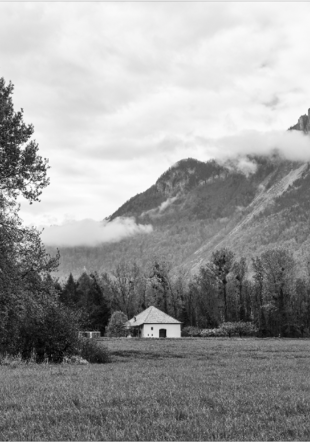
(248, 203)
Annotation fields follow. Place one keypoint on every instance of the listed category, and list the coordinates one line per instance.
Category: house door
(162, 333)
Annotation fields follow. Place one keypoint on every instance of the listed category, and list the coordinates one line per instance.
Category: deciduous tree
(220, 266)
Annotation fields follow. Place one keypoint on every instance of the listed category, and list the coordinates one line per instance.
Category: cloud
(88, 232)
(166, 203)
(292, 145)
(273, 102)
(157, 211)
(119, 92)
(242, 164)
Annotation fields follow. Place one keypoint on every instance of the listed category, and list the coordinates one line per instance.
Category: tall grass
(187, 389)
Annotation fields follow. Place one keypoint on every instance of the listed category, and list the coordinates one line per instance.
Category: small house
(153, 323)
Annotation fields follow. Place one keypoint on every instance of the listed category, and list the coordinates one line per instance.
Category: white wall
(173, 330)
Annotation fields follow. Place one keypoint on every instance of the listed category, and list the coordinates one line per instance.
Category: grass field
(187, 389)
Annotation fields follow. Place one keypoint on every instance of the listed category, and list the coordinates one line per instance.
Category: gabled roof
(151, 316)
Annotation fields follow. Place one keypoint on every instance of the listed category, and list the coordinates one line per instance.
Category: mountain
(303, 123)
(248, 204)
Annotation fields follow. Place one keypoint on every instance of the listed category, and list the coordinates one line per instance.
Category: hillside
(247, 204)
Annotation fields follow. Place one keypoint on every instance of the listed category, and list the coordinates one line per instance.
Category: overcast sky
(118, 92)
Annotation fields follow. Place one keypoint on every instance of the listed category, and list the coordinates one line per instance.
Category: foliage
(275, 285)
(161, 284)
(92, 351)
(226, 329)
(203, 301)
(68, 293)
(116, 326)
(239, 328)
(25, 265)
(265, 292)
(221, 264)
(22, 170)
(125, 286)
(49, 334)
(87, 297)
(190, 331)
(219, 332)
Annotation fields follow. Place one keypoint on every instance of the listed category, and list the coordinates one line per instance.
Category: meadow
(187, 389)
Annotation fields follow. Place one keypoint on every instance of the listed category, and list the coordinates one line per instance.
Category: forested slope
(196, 207)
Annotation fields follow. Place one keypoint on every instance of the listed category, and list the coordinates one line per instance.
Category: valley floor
(186, 389)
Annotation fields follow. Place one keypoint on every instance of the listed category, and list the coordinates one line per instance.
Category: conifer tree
(68, 293)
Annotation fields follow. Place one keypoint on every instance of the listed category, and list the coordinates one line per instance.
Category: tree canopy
(25, 282)
(22, 170)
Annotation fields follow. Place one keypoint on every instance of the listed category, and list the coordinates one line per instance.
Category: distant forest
(266, 292)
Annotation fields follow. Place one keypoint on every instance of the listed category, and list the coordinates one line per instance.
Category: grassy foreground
(187, 389)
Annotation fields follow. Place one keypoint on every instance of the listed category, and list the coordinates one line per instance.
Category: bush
(213, 333)
(193, 332)
(226, 329)
(116, 327)
(48, 334)
(239, 328)
(11, 361)
(292, 331)
(93, 352)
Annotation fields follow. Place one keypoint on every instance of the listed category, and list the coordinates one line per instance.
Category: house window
(151, 328)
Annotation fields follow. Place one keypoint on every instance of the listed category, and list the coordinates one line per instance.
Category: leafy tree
(220, 266)
(275, 277)
(179, 299)
(204, 299)
(162, 285)
(22, 170)
(24, 263)
(124, 286)
(116, 327)
(240, 270)
(50, 332)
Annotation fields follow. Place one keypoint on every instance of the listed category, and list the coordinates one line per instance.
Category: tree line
(266, 291)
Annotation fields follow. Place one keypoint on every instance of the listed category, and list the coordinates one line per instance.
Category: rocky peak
(186, 174)
(303, 123)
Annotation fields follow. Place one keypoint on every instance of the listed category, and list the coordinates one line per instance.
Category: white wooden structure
(153, 323)
(89, 334)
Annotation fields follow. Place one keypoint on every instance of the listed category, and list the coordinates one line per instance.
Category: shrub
(92, 351)
(116, 326)
(11, 361)
(292, 331)
(239, 328)
(213, 333)
(226, 329)
(49, 334)
(190, 331)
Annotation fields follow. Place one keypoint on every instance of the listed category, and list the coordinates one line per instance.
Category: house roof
(151, 316)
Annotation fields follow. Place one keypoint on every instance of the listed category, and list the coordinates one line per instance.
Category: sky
(119, 92)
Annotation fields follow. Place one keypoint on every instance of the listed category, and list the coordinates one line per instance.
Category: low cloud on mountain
(88, 232)
(292, 145)
(124, 90)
